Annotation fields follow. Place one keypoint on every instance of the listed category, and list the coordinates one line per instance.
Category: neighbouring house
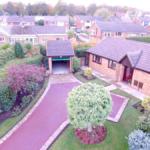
(104, 29)
(84, 22)
(60, 55)
(32, 34)
(57, 21)
(17, 20)
(123, 60)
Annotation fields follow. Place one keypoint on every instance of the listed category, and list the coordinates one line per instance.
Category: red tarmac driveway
(43, 122)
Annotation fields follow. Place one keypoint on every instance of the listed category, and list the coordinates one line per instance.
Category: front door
(128, 73)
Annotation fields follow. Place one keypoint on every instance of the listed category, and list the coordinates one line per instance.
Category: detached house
(104, 29)
(123, 60)
(32, 34)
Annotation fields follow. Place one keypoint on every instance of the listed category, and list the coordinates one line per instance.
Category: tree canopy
(88, 105)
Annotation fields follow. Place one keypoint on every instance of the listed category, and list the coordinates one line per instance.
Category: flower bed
(97, 135)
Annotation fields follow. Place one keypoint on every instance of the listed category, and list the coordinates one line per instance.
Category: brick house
(104, 29)
(60, 55)
(32, 34)
(123, 60)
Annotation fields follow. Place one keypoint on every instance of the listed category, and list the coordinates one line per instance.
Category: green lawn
(8, 124)
(79, 76)
(117, 132)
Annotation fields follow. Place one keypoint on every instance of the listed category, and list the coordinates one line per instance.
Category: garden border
(11, 131)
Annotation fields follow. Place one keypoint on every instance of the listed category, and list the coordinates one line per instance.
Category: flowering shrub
(139, 140)
(76, 64)
(146, 104)
(19, 76)
(88, 73)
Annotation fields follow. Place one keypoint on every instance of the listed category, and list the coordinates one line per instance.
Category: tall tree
(91, 9)
(9, 8)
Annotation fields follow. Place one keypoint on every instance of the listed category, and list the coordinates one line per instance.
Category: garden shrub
(76, 64)
(20, 75)
(5, 46)
(6, 55)
(42, 50)
(16, 111)
(88, 73)
(19, 50)
(70, 34)
(7, 97)
(36, 60)
(146, 103)
(28, 46)
(144, 122)
(139, 140)
(25, 101)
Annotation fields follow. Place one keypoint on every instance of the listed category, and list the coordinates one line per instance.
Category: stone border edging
(9, 133)
(53, 137)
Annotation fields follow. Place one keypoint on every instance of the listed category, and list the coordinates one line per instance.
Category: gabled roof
(59, 48)
(34, 30)
(116, 49)
(109, 26)
(20, 19)
(57, 18)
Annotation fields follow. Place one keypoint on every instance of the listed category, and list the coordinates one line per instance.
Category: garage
(60, 65)
(60, 55)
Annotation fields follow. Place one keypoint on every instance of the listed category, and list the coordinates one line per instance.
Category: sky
(141, 4)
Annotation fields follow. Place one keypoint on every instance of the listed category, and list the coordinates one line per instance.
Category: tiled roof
(110, 26)
(60, 48)
(57, 18)
(20, 18)
(116, 49)
(34, 30)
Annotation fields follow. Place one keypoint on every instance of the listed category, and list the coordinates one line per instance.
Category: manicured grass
(79, 76)
(117, 132)
(8, 124)
(140, 39)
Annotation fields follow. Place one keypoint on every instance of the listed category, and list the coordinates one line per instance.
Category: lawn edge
(27, 115)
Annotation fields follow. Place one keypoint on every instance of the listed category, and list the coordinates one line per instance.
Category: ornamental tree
(88, 106)
(19, 76)
(19, 50)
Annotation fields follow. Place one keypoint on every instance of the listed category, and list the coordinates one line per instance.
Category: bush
(7, 97)
(144, 122)
(5, 46)
(16, 111)
(25, 101)
(20, 75)
(76, 64)
(146, 104)
(138, 140)
(71, 34)
(42, 50)
(6, 55)
(88, 105)
(88, 73)
(40, 22)
(19, 50)
(28, 46)
(36, 60)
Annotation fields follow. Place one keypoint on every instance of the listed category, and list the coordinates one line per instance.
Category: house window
(1, 39)
(135, 83)
(97, 59)
(140, 85)
(111, 64)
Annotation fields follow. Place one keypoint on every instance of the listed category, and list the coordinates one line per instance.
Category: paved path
(44, 121)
